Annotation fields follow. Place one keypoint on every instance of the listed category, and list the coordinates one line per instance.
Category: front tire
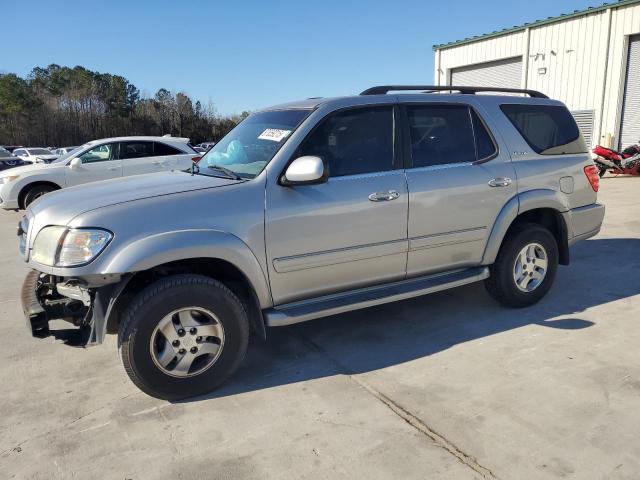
(36, 192)
(525, 268)
(183, 336)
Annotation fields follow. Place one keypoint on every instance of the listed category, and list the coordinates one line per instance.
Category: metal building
(589, 59)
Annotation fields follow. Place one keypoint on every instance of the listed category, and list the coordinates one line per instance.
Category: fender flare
(517, 205)
(149, 252)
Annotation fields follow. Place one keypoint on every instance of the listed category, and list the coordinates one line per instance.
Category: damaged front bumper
(84, 306)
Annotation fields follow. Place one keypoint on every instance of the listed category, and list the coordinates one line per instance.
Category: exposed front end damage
(85, 307)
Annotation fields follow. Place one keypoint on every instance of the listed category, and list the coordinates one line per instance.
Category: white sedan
(35, 155)
(63, 150)
(97, 160)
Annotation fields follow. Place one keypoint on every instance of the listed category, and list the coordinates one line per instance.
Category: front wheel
(183, 336)
(525, 267)
(36, 192)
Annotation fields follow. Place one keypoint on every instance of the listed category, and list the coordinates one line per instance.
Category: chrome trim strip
(341, 255)
(448, 238)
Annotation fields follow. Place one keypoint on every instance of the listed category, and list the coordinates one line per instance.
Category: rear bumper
(585, 222)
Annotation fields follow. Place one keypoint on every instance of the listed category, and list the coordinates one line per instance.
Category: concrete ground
(447, 386)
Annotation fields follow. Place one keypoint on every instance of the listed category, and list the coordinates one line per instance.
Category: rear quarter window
(162, 149)
(548, 129)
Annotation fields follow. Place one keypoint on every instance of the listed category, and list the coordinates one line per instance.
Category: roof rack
(384, 89)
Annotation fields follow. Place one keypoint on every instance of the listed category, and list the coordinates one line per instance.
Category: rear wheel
(36, 192)
(525, 268)
(183, 336)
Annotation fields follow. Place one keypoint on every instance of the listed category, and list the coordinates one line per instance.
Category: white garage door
(505, 73)
(630, 126)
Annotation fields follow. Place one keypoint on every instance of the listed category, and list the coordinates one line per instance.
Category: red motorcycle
(626, 162)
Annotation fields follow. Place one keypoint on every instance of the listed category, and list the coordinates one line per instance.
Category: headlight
(81, 246)
(10, 178)
(69, 247)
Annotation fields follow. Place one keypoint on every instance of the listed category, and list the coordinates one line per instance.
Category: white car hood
(27, 169)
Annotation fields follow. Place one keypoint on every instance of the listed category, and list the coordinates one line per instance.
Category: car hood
(60, 207)
(26, 169)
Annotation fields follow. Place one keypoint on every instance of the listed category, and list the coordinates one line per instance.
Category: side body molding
(148, 252)
(523, 202)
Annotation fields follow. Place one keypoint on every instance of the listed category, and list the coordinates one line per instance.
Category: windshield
(39, 151)
(249, 147)
(66, 156)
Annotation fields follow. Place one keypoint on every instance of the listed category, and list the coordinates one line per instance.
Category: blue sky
(244, 55)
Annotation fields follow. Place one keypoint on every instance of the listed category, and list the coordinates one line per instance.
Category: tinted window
(98, 154)
(136, 150)
(548, 129)
(160, 149)
(354, 141)
(440, 134)
(485, 147)
(39, 151)
(19, 152)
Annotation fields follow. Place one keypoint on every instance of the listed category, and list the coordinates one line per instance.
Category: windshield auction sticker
(274, 134)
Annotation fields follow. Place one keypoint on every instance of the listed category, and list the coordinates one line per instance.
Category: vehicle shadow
(601, 271)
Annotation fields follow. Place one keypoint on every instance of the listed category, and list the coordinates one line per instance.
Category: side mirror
(75, 164)
(305, 171)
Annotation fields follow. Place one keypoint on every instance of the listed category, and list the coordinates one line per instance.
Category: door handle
(500, 182)
(384, 196)
(113, 169)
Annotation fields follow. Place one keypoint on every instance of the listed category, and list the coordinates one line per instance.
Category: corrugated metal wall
(575, 61)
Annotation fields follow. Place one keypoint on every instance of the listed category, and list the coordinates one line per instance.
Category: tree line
(62, 106)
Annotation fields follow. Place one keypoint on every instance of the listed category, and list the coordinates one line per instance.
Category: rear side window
(548, 129)
(354, 141)
(136, 150)
(445, 134)
(162, 149)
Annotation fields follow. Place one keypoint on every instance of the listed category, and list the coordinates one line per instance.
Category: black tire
(36, 192)
(501, 284)
(153, 304)
(601, 171)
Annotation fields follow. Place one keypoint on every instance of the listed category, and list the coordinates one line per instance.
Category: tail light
(591, 171)
(196, 159)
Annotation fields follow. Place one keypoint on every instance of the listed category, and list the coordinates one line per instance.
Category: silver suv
(306, 210)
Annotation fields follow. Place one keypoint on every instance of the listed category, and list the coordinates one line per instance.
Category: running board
(334, 304)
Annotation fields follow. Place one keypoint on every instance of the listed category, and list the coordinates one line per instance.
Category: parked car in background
(200, 149)
(35, 155)
(97, 160)
(11, 148)
(206, 145)
(63, 150)
(307, 210)
(9, 160)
